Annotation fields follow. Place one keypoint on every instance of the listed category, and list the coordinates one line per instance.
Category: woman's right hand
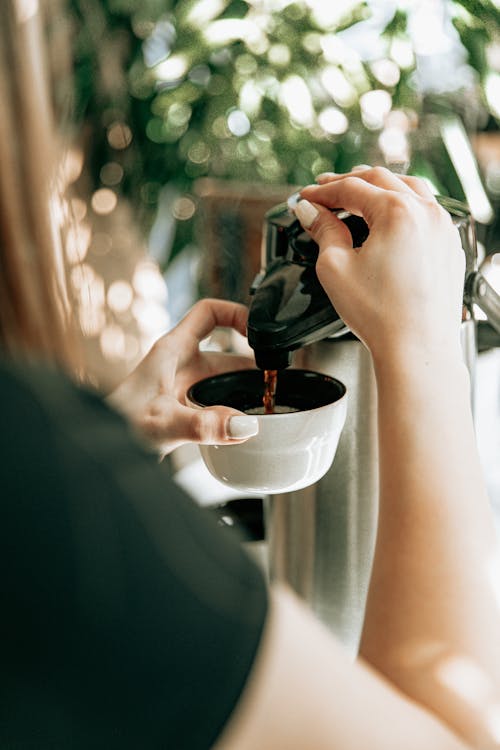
(432, 612)
(404, 286)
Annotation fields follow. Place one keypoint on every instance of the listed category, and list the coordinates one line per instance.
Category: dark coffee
(277, 409)
(296, 390)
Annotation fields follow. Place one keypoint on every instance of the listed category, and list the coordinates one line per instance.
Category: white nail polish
(306, 213)
(243, 427)
(360, 167)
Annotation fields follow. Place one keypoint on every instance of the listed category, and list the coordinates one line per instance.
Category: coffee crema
(277, 409)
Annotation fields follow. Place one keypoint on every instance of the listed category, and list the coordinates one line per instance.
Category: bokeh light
(120, 295)
(333, 121)
(239, 91)
(238, 122)
(111, 173)
(104, 201)
(119, 135)
(375, 106)
(183, 208)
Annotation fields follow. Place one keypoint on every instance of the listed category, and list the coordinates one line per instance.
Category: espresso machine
(321, 539)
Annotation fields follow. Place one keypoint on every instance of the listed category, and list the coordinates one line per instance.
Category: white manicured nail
(306, 213)
(360, 167)
(243, 427)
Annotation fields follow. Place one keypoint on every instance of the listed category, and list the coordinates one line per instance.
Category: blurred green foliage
(259, 90)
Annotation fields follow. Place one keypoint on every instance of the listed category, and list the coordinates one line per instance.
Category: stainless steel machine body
(321, 539)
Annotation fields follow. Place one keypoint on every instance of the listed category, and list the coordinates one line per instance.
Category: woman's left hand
(153, 396)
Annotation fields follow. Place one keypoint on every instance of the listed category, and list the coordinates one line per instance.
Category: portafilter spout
(290, 308)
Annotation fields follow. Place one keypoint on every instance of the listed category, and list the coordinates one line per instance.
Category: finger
(419, 186)
(416, 184)
(379, 176)
(219, 425)
(169, 423)
(323, 226)
(207, 314)
(325, 177)
(350, 193)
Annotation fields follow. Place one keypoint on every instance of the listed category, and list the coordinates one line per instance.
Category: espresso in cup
(296, 443)
(280, 409)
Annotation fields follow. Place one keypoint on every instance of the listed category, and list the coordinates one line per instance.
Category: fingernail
(360, 167)
(306, 213)
(242, 427)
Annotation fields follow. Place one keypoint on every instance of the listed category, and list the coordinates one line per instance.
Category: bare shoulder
(304, 691)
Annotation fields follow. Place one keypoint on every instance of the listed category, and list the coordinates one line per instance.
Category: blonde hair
(35, 316)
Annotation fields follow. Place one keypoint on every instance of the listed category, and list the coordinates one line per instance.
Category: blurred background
(193, 117)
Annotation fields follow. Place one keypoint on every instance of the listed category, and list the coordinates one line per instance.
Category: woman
(128, 620)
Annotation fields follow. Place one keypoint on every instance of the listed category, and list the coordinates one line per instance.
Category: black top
(127, 618)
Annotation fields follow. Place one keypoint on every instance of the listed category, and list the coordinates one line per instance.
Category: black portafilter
(289, 307)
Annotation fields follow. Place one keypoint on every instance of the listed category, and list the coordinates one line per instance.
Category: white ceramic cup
(292, 450)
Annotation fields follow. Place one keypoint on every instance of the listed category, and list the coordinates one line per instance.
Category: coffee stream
(270, 380)
(268, 400)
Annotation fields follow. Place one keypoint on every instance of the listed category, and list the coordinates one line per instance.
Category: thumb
(168, 424)
(218, 425)
(213, 425)
(323, 226)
